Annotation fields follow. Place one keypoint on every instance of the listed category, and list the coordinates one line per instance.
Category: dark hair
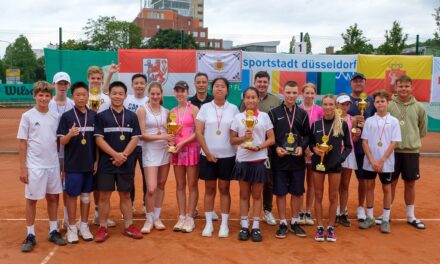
(201, 74)
(117, 84)
(139, 75)
(78, 85)
(251, 88)
(291, 84)
(404, 78)
(221, 79)
(262, 74)
(380, 93)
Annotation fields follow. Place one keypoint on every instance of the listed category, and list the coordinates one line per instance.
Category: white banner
(215, 64)
(435, 81)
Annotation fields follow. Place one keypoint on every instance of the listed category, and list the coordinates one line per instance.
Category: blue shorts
(288, 181)
(77, 183)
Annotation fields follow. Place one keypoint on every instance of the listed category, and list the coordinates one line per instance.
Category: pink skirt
(189, 155)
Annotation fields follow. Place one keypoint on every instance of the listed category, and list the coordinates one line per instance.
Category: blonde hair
(42, 86)
(94, 69)
(337, 122)
(309, 85)
(156, 85)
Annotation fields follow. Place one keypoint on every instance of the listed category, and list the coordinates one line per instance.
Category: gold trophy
(172, 128)
(95, 98)
(324, 148)
(362, 105)
(249, 124)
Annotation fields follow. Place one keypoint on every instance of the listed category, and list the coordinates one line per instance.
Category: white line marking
(50, 255)
(202, 219)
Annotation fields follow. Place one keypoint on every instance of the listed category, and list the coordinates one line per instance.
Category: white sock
(182, 217)
(53, 225)
(283, 221)
(72, 227)
(338, 210)
(150, 217)
(156, 213)
(225, 218)
(294, 220)
(370, 212)
(66, 216)
(410, 213)
(96, 211)
(83, 224)
(256, 223)
(31, 230)
(244, 222)
(386, 215)
(208, 216)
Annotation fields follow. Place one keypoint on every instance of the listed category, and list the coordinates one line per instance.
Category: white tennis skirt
(350, 162)
(154, 157)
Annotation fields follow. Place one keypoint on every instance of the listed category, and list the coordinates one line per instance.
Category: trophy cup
(172, 128)
(95, 98)
(290, 144)
(362, 105)
(249, 124)
(324, 148)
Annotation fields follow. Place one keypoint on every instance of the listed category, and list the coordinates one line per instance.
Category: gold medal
(402, 123)
(83, 141)
(290, 138)
(122, 137)
(380, 144)
(324, 138)
(353, 130)
(218, 132)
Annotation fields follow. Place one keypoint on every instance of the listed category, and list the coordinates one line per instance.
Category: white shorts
(42, 182)
(350, 162)
(152, 157)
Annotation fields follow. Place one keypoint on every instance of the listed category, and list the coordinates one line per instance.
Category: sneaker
(85, 233)
(158, 225)
(72, 235)
(385, 227)
(244, 234)
(146, 229)
(101, 234)
(214, 216)
(337, 220)
(379, 220)
(282, 231)
(302, 218)
(179, 225)
(55, 237)
(369, 222)
(207, 231)
(361, 214)
(297, 230)
(224, 231)
(344, 220)
(309, 219)
(144, 210)
(268, 218)
(256, 235)
(133, 232)
(110, 223)
(28, 243)
(331, 236)
(188, 225)
(319, 236)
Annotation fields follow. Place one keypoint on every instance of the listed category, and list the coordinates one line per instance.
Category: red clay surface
(404, 245)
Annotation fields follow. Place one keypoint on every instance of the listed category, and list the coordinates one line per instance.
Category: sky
(242, 21)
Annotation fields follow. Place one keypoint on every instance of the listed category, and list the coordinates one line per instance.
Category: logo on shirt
(280, 118)
(318, 131)
(133, 107)
(37, 124)
(156, 69)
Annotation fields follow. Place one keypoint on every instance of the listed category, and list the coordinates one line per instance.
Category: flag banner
(382, 71)
(226, 64)
(330, 73)
(435, 83)
(164, 66)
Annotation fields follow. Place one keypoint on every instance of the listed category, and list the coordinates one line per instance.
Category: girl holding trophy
(331, 144)
(252, 131)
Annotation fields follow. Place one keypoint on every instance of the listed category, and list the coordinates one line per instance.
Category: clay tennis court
(404, 245)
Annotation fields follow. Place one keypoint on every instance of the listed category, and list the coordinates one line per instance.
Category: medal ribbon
(120, 128)
(402, 115)
(158, 124)
(383, 128)
(219, 120)
(323, 128)
(83, 133)
(293, 117)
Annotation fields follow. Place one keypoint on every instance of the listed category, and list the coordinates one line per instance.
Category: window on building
(202, 44)
(202, 34)
(217, 45)
(157, 27)
(196, 34)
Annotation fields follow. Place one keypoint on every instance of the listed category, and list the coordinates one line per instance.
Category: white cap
(343, 99)
(61, 76)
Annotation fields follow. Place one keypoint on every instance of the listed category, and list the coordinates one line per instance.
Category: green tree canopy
(172, 39)
(21, 56)
(292, 45)
(355, 42)
(307, 40)
(107, 33)
(72, 44)
(394, 41)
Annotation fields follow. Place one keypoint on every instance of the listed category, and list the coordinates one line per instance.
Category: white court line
(49, 256)
(202, 219)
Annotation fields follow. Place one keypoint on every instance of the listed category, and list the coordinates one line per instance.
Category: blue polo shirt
(107, 128)
(354, 111)
(78, 157)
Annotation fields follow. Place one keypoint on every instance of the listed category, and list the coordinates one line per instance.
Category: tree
(2, 71)
(72, 44)
(307, 40)
(394, 41)
(21, 56)
(40, 71)
(107, 33)
(355, 42)
(436, 16)
(292, 45)
(172, 39)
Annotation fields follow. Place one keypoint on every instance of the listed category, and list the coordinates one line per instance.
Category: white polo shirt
(53, 107)
(40, 132)
(210, 114)
(386, 130)
(259, 136)
(133, 103)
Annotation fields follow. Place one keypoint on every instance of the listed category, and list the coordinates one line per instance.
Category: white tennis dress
(155, 153)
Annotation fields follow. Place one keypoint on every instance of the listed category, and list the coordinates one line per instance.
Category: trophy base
(247, 144)
(172, 149)
(320, 167)
(290, 150)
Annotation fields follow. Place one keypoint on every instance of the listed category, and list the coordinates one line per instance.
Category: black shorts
(222, 169)
(385, 177)
(360, 163)
(107, 182)
(288, 181)
(406, 164)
